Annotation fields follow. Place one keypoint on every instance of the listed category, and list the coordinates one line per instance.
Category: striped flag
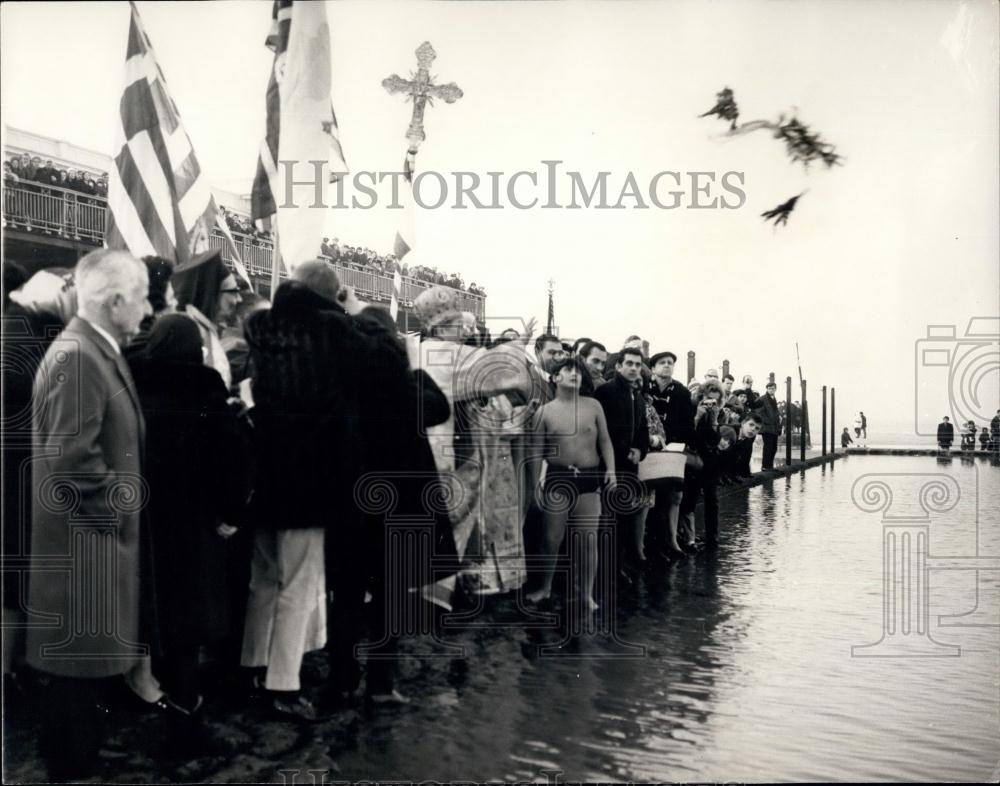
(397, 286)
(403, 243)
(550, 323)
(161, 203)
(301, 127)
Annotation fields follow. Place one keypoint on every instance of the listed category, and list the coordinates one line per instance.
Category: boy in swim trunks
(576, 442)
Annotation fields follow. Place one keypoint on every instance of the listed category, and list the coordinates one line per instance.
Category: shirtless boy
(576, 440)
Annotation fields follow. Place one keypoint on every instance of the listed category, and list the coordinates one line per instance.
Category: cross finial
(421, 90)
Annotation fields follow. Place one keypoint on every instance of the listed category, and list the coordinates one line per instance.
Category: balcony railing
(59, 212)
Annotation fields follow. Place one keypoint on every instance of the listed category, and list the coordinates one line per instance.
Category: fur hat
(436, 305)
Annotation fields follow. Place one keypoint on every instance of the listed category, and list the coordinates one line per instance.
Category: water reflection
(746, 673)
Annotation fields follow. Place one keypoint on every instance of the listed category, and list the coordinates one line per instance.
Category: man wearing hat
(767, 408)
(672, 402)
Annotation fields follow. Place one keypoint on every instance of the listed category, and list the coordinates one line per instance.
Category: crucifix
(421, 90)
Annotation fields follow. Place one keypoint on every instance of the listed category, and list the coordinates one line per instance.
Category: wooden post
(788, 421)
(834, 436)
(803, 429)
(725, 369)
(690, 365)
(824, 420)
(770, 376)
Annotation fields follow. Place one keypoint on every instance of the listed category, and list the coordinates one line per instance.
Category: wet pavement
(735, 665)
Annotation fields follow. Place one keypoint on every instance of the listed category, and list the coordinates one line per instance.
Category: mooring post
(725, 371)
(690, 365)
(824, 420)
(788, 421)
(803, 428)
(833, 420)
(770, 376)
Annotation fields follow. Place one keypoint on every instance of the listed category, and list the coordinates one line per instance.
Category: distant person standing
(969, 436)
(864, 425)
(945, 434)
(857, 426)
(984, 439)
(767, 407)
(995, 432)
(845, 438)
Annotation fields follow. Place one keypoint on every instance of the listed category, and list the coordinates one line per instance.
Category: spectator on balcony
(10, 177)
(102, 185)
(47, 174)
(31, 170)
(14, 167)
(208, 293)
(63, 179)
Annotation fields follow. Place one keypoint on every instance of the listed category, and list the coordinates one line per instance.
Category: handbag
(661, 465)
(693, 460)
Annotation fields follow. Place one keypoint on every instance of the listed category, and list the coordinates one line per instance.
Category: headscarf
(159, 270)
(175, 338)
(198, 282)
(52, 290)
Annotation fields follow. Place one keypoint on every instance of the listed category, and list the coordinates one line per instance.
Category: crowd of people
(363, 258)
(356, 257)
(988, 438)
(239, 464)
(32, 171)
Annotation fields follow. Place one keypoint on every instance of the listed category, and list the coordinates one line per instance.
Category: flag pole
(275, 261)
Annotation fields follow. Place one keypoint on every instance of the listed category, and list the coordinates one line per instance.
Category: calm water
(746, 671)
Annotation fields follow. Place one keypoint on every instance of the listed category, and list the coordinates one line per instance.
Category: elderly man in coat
(86, 539)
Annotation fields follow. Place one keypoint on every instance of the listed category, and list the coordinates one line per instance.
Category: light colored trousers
(286, 610)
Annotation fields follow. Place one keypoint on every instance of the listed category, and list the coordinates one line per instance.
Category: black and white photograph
(500, 391)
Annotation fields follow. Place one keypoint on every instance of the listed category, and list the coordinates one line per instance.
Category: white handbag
(666, 463)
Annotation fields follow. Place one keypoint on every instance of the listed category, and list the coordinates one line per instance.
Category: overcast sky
(904, 235)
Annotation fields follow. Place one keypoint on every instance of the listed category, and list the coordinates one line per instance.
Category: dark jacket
(734, 462)
(395, 409)
(307, 366)
(767, 407)
(705, 441)
(198, 473)
(673, 405)
(945, 433)
(26, 336)
(625, 412)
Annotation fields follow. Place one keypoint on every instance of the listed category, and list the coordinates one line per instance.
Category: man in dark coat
(625, 412)
(87, 479)
(767, 408)
(388, 561)
(945, 434)
(305, 375)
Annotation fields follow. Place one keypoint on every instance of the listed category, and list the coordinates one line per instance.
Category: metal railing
(65, 213)
(54, 211)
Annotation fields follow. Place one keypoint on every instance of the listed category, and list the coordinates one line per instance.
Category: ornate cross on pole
(421, 91)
